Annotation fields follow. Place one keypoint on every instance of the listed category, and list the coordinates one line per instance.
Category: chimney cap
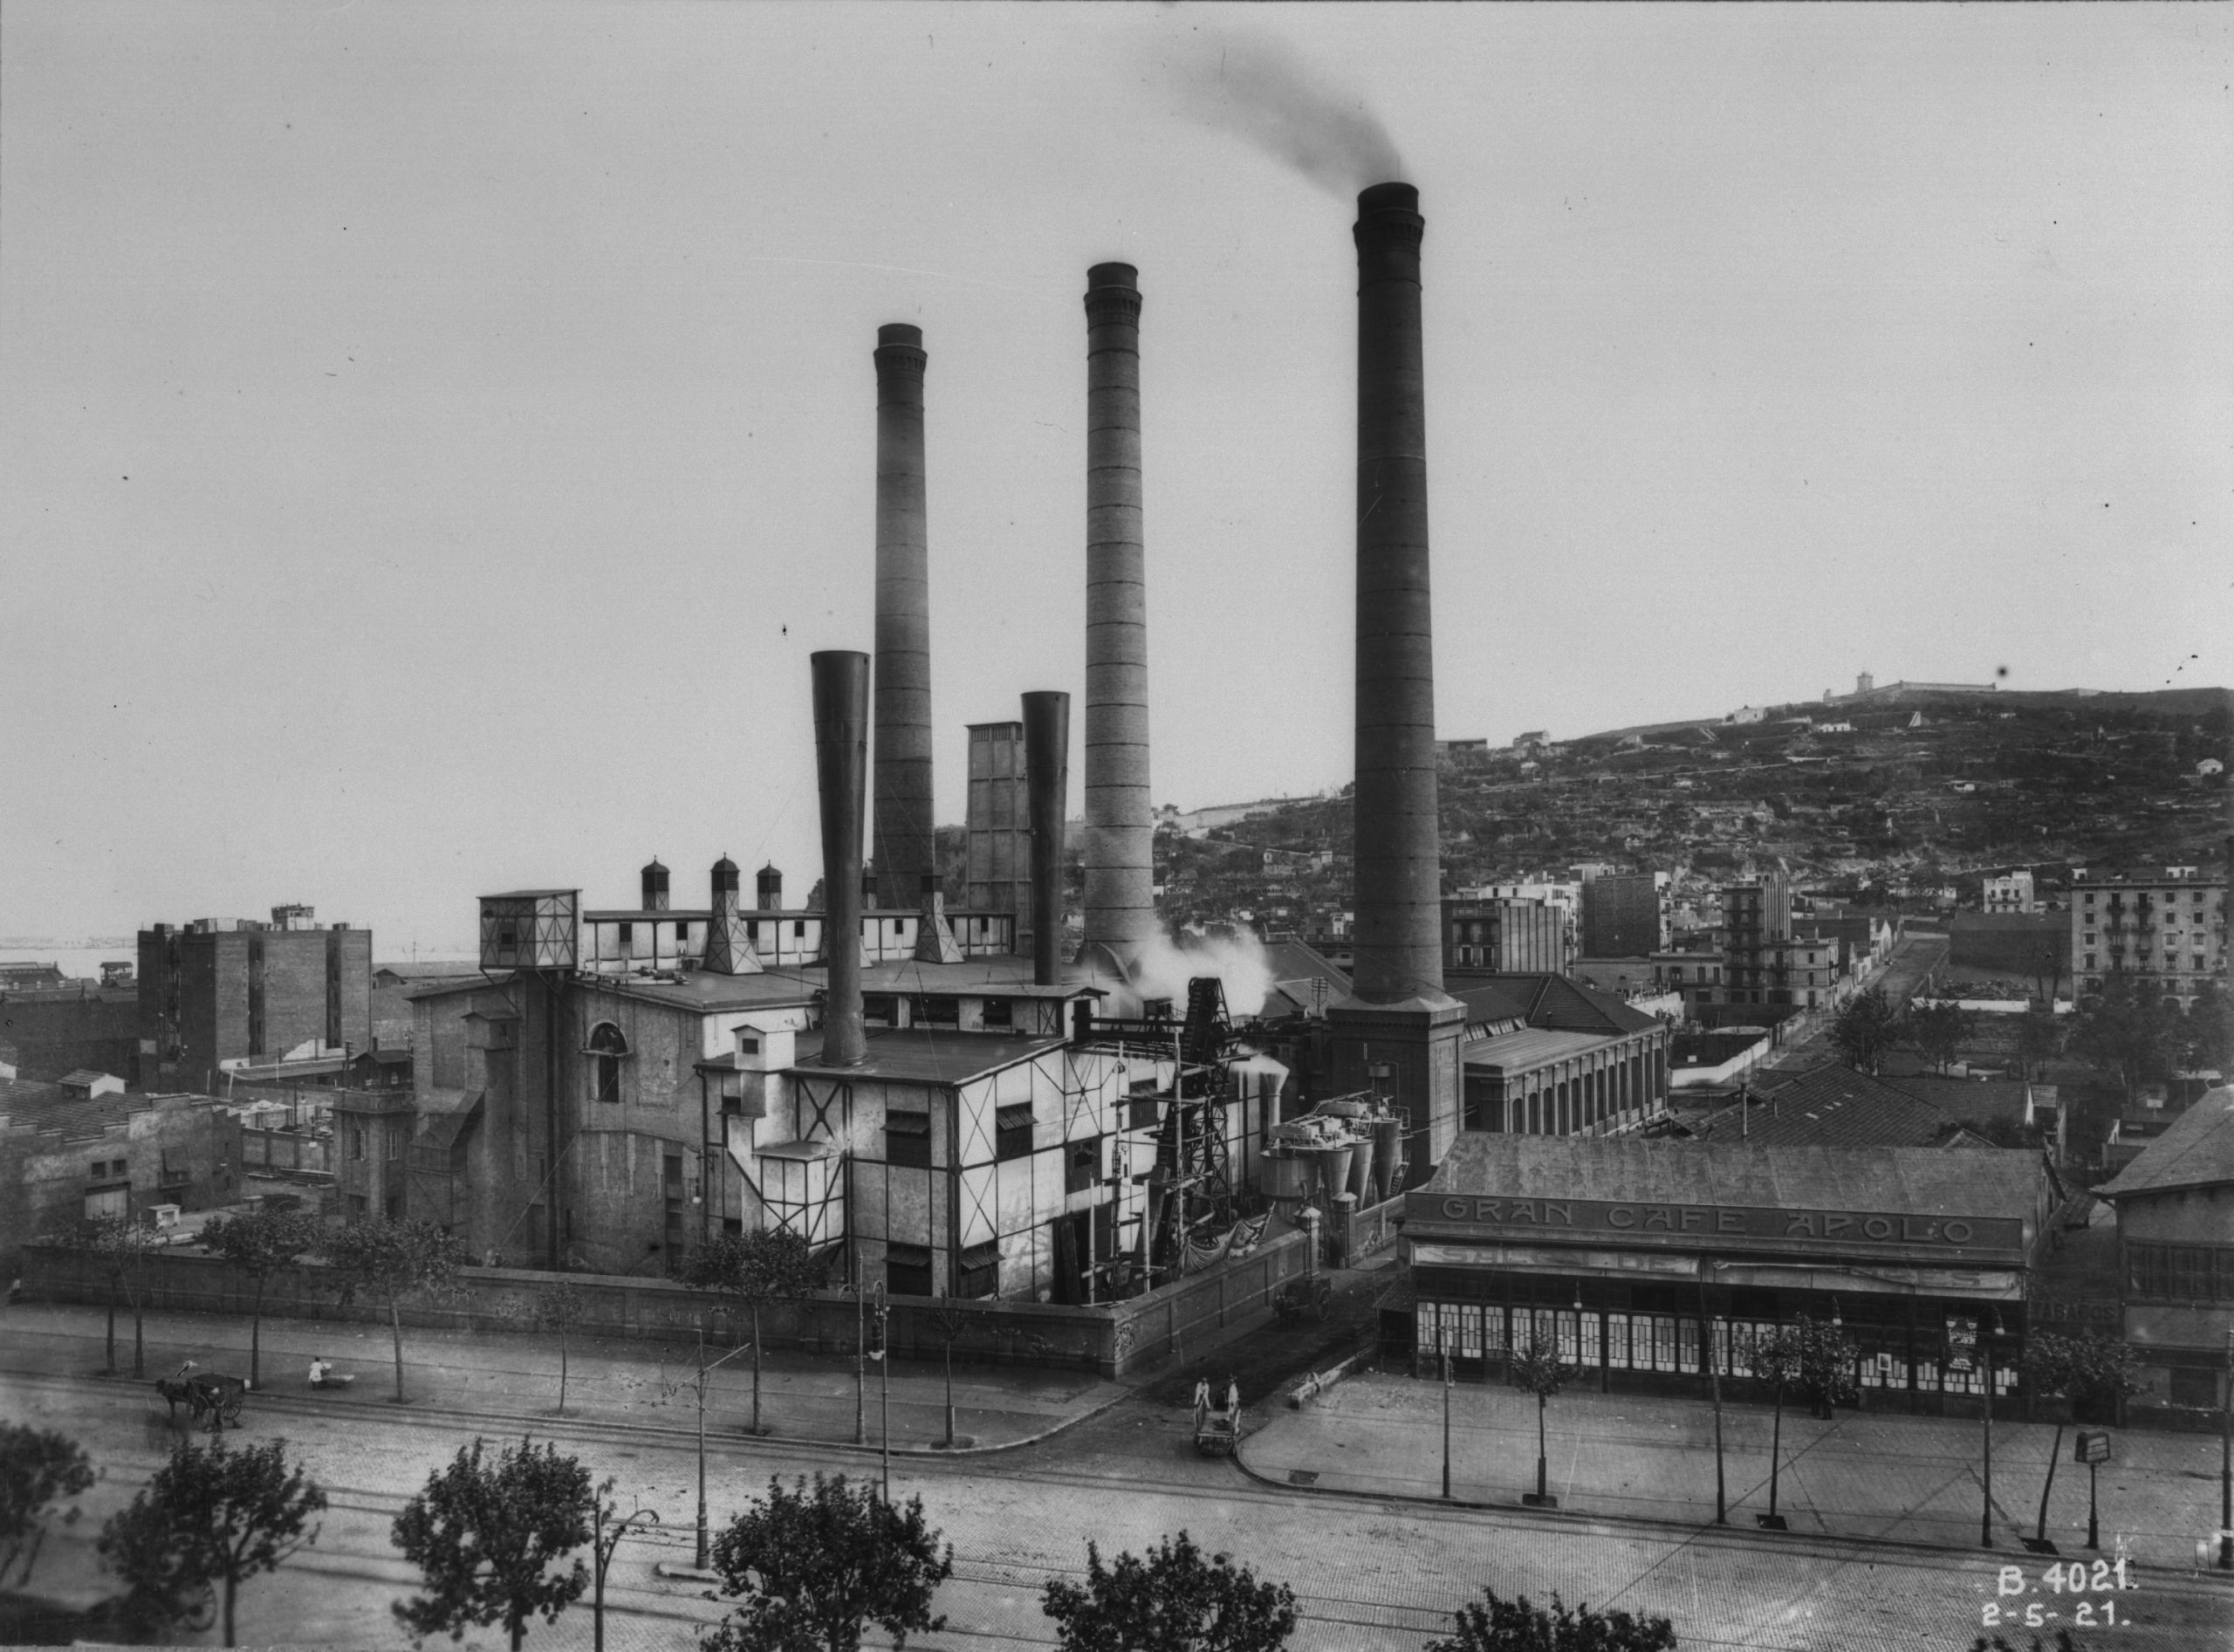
(900, 332)
(1114, 274)
(1387, 197)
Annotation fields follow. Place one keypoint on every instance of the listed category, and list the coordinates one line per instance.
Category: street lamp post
(1987, 1327)
(882, 1356)
(1443, 1358)
(603, 1541)
(1714, 1382)
(2226, 1466)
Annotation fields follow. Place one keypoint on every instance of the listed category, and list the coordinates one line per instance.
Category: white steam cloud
(1165, 968)
(1259, 90)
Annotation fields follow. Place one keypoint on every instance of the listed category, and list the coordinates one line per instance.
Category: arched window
(606, 1047)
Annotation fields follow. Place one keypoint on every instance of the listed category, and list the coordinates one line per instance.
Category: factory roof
(1838, 1106)
(2195, 1150)
(1529, 1047)
(1550, 1001)
(1637, 1169)
(914, 1056)
(49, 1109)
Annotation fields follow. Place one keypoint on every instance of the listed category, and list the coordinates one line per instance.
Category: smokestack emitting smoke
(841, 733)
(1399, 881)
(904, 849)
(1047, 782)
(1119, 894)
(1259, 90)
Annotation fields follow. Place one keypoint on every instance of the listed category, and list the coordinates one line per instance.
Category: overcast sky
(434, 437)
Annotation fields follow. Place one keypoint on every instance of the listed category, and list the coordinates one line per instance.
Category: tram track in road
(1234, 1485)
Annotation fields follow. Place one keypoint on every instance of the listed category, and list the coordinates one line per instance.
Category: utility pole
(698, 1383)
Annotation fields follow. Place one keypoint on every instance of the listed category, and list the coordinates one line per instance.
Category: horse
(182, 1389)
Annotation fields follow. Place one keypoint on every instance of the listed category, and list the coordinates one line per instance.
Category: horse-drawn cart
(1216, 1430)
(209, 1394)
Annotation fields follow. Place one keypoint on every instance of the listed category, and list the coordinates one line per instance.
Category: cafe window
(907, 1139)
(1012, 1131)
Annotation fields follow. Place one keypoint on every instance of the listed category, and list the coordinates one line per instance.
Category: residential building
(2009, 892)
(219, 992)
(2175, 1252)
(1627, 915)
(1505, 935)
(2165, 925)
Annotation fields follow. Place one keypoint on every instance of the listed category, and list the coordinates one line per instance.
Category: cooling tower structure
(841, 734)
(1398, 1013)
(1120, 898)
(903, 840)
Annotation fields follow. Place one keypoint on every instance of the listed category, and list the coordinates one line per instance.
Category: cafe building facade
(1640, 1258)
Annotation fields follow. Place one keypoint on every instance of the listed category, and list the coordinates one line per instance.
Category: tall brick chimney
(1398, 1013)
(903, 844)
(841, 735)
(1120, 888)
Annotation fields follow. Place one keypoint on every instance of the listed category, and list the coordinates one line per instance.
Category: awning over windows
(448, 1117)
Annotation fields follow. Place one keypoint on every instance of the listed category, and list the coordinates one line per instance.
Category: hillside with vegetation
(1926, 788)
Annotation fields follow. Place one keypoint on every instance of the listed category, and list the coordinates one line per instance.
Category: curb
(2223, 1582)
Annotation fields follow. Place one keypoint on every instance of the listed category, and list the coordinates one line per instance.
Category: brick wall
(1142, 1332)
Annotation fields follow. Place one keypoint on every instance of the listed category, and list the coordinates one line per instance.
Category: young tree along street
(1176, 1599)
(758, 1269)
(813, 1566)
(211, 1517)
(489, 1537)
(394, 1263)
(37, 1466)
(260, 1245)
(1493, 1624)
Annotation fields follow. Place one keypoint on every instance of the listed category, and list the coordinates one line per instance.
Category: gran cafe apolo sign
(1450, 1229)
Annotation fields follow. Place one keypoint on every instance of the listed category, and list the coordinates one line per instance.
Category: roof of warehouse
(2195, 1150)
(1529, 1047)
(911, 1055)
(1547, 1001)
(1835, 1106)
(1634, 1169)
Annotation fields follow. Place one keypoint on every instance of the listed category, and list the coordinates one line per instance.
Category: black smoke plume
(1259, 90)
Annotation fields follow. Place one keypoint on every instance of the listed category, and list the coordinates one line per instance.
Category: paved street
(1808, 1035)
(1372, 1572)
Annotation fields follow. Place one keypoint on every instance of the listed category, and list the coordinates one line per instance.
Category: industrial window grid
(2180, 1272)
(907, 1141)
